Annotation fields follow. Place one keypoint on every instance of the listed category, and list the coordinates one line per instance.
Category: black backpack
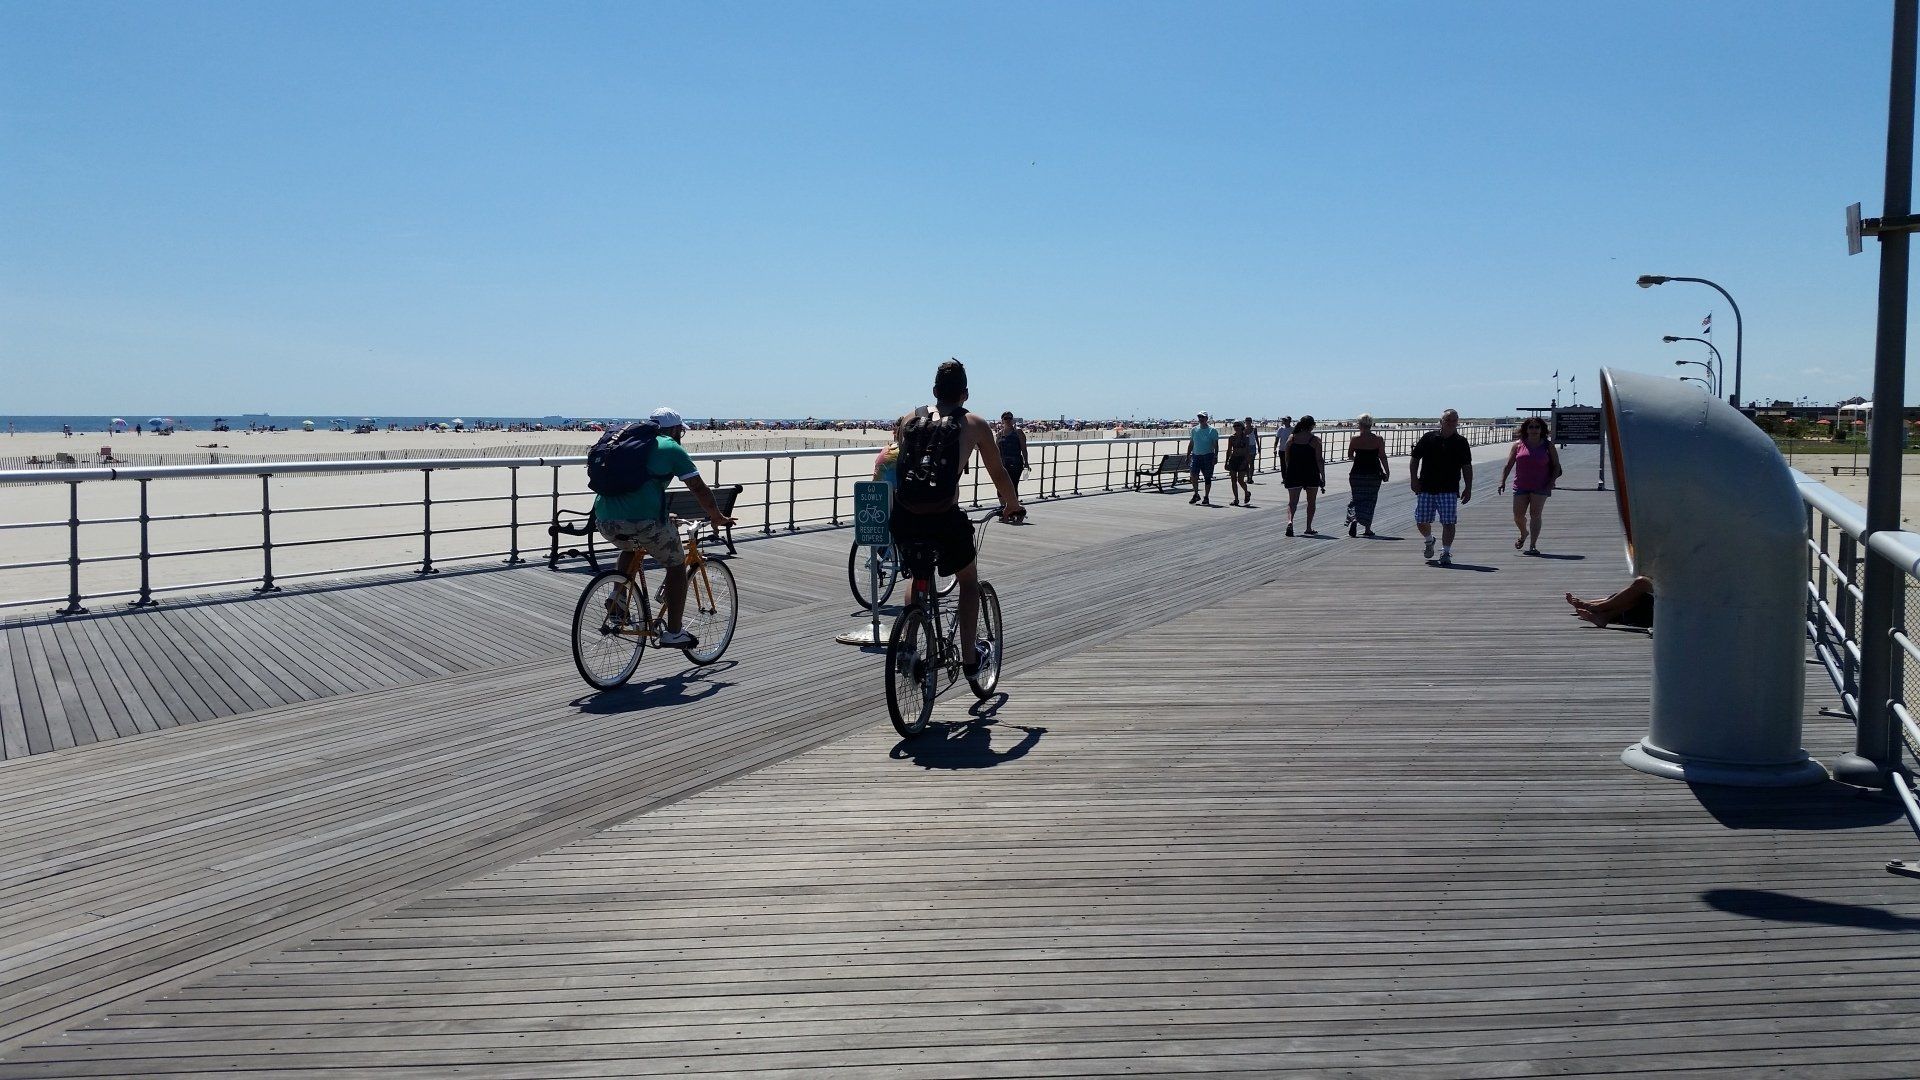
(617, 464)
(929, 469)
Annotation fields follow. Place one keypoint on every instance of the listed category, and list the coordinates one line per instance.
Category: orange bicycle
(615, 621)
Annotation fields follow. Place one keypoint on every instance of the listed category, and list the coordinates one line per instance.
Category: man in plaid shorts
(1442, 462)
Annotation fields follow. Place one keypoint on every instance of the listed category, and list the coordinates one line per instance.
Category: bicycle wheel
(607, 650)
(713, 609)
(989, 633)
(913, 672)
(859, 573)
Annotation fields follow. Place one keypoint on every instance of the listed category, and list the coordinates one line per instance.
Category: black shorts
(943, 538)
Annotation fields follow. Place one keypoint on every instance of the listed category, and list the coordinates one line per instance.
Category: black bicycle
(923, 651)
(862, 562)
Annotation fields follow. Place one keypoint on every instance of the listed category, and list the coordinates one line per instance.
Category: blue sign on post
(872, 510)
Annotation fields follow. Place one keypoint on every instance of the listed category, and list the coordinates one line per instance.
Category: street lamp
(1720, 377)
(1695, 378)
(1648, 281)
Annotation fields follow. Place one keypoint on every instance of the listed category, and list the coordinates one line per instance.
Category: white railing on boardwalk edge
(1836, 565)
(783, 490)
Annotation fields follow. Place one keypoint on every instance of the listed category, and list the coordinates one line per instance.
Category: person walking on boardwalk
(1441, 472)
(1240, 462)
(1534, 465)
(1280, 440)
(1253, 446)
(1203, 452)
(1013, 447)
(1305, 470)
(1369, 455)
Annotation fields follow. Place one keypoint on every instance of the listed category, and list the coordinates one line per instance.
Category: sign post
(1581, 425)
(872, 517)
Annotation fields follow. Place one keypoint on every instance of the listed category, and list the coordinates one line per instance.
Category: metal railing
(1838, 550)
(436, 512)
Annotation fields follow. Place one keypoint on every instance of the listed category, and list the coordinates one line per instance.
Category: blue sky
(800, 209)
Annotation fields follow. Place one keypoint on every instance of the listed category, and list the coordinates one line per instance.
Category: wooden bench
(1174, 465)
(681, 504)
(1855, 470)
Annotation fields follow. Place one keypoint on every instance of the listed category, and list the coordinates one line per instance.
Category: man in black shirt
(1442, 461)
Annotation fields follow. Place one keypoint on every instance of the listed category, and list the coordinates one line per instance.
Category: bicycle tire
(858, 575)
(605, 659)
(992, 632)
(913, 672)
(713, 627)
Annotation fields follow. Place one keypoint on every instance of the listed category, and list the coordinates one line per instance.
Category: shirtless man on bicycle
(936, 441)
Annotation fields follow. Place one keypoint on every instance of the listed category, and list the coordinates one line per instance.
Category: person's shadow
(967, 744)
(681, 688)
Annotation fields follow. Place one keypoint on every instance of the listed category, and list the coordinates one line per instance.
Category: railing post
(73, 552)
(553, 550)
(513, 515)
(146, 553)
(975, 497)
(426, 523)
(1076, 467)
(836, 489)
(793, 465)
(1109, 483)
(766, 501)
(266, 535)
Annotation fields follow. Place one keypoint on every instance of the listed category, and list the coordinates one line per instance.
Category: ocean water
(321, 421)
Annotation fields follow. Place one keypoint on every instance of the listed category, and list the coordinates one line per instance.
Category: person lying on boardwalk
(1631, 606)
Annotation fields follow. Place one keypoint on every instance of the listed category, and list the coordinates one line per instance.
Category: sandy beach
(470, 510)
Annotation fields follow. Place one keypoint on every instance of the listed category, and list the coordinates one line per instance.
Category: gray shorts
(657, 538)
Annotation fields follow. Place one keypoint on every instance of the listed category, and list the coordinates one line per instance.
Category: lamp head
(1648, 281)
(1669, 338)
(1680, 363)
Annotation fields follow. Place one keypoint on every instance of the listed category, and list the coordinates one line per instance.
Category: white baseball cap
(667, 418)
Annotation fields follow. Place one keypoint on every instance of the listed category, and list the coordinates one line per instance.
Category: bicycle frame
(696, 565)
(946, 631)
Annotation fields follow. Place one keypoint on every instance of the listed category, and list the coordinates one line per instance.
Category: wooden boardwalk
(1250, 805)
(117, 672)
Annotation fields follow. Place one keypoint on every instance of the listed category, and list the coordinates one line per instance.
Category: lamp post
(1648, 281)
(1708, 381)
(1720, 377)
(1876, 756)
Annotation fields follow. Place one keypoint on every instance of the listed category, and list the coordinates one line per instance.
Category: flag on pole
(1706, 324)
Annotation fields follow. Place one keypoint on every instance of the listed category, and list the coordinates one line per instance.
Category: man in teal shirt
(637, 522)
(1203, 452)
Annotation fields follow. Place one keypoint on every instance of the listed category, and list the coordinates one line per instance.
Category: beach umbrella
(119, 424)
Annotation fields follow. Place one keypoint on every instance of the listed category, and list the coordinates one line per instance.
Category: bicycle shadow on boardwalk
(683, 687)
(968, 744)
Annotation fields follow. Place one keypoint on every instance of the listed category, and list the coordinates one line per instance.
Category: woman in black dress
(1305, 470)
(1240, 463)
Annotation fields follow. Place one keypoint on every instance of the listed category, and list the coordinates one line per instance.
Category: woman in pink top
(1534, 466)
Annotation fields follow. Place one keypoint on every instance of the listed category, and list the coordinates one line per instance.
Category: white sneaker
(1446, 558)
(1429, 551)
(677, 639)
